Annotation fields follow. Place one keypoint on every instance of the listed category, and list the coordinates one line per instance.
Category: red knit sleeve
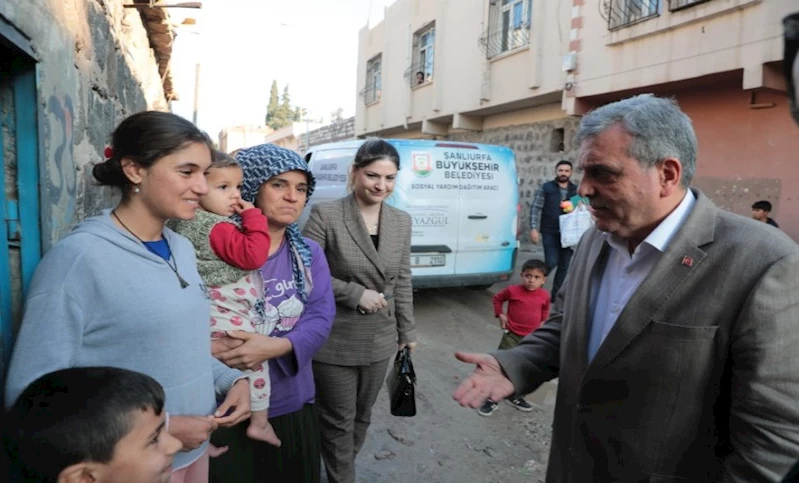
(499, 299)
(545, 306)
(247, 248)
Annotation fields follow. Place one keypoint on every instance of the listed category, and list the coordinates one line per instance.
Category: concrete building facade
(237, 137)
(521, 73)
(294, 136)
(722, 61)
(483, 71)
(72, 69)
(435, 67)
(291, 136)
(340, 130)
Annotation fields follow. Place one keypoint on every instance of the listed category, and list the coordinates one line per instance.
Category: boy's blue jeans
(556, 258)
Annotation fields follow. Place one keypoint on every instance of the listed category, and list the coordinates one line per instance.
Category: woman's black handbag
(400, 382)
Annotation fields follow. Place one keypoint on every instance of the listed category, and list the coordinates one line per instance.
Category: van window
(332, 165)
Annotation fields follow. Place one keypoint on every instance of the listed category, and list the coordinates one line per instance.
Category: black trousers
(556, 257)
(296, 461)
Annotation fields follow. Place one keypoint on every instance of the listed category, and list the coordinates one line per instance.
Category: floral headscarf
(261, 163)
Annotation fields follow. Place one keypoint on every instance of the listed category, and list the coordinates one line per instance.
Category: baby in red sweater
(528, 308)
(229, 258)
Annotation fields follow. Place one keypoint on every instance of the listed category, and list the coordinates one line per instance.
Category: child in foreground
(90, 424)
(229, 257)
(528, 308)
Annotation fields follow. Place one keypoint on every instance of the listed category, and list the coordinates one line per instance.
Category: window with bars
(509, 26)
(628, 12)
(424, 43)
(374, 80)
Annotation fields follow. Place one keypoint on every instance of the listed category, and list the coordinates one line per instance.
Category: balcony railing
(623, 13)
(370, 94)
(680, 4)
(411, 74)
(496, 41)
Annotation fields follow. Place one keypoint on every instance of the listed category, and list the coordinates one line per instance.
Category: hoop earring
(136, 189)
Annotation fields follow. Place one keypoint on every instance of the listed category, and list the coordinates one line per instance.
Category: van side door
(489, 198)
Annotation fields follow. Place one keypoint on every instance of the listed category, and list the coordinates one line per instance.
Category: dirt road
(444, 442)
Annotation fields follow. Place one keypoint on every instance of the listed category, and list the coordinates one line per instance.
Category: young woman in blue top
(123, 290)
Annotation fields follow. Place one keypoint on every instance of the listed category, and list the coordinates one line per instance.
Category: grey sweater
(99, 297)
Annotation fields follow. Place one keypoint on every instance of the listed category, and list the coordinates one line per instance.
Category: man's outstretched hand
(486, 382)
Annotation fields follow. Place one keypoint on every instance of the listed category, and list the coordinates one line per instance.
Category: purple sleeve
(311, 331)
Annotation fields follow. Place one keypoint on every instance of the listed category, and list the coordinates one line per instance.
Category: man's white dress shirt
(624, 273)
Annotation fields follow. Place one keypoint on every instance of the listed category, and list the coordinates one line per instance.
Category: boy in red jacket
(528, 308)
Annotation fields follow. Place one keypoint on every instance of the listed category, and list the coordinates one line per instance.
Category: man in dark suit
(790, 66)
(674, 338)
(545, 221)
(790, 63)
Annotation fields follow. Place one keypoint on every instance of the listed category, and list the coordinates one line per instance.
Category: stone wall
(95, 67)
(91, 65)
(538, 147)
(337, 131)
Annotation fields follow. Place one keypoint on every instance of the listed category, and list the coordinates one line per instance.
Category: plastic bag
(573, 225)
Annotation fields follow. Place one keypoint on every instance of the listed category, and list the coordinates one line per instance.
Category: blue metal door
(20, 236)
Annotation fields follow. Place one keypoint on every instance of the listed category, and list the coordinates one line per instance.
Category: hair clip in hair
(108, 152)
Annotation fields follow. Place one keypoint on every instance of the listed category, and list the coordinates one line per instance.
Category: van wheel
(480, 287)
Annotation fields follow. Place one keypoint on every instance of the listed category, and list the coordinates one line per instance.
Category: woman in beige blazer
(367, 244)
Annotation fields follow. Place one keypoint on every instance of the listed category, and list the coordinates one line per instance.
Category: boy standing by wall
(528, 308)
(761, 210)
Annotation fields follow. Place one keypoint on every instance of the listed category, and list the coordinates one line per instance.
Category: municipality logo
(422, 165)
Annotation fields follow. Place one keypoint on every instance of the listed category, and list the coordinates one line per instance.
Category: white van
(463, 199)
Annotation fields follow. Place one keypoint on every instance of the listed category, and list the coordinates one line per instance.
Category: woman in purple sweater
(298, 296)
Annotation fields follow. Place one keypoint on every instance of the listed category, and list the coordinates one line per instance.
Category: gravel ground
(445, 442)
